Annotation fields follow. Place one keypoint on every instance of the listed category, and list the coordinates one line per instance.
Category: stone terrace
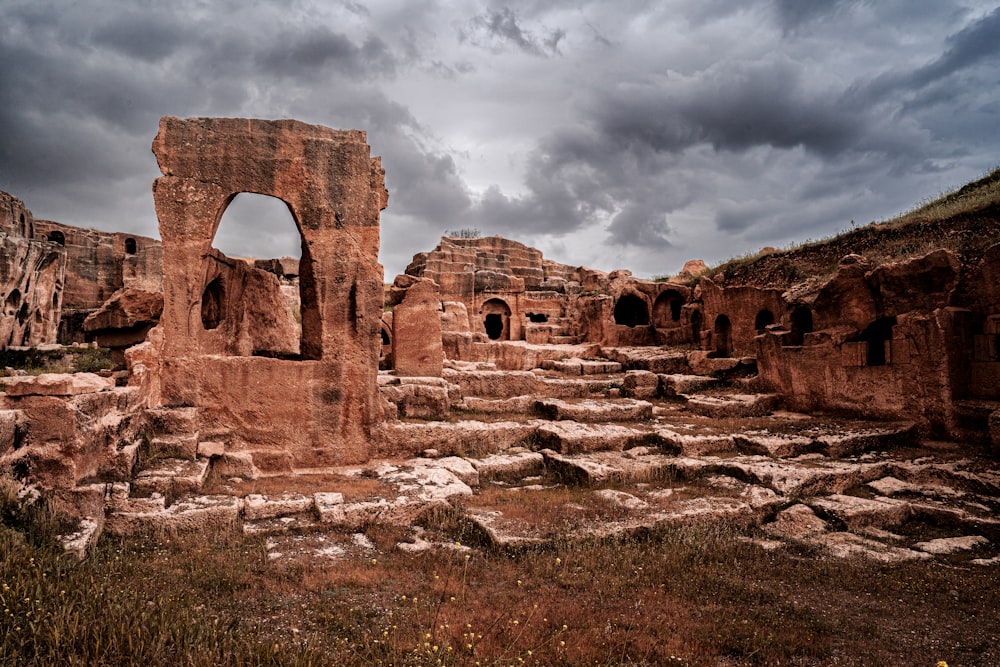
(514, 459)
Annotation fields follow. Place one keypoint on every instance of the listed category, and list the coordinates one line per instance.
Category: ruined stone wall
(32, 279)
(100, 263)
(886, 342)
(746, 308)
(322, 407)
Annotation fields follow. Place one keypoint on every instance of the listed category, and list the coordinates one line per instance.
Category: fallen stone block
(641, 384)
(82, 540)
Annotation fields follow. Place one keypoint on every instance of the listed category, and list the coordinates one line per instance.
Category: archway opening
(57, 237)
(272, 314)
(696, 320)
(667, 309)
(802, 323)
(631, 311)
(876, 334)
(212, 304)
(723, 337)
(764, 319)
(130, 246)
(496, 319)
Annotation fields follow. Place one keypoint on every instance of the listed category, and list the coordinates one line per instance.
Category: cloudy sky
(613, 134)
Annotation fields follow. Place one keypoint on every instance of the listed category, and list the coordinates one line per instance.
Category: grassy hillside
(966, 221)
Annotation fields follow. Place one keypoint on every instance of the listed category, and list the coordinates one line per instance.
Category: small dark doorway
(696, 328)
(496, 319)
(802, 323)
(876, 334)
(130, 247)
(723, 337)
(764, 319)
(667, 309)
(631, 311)
(212, 303)
(538, 318)
(58, 238)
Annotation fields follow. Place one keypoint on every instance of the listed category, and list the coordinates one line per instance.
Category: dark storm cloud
(503, 26)
(296, 51)
(148, 37)
(975, 44)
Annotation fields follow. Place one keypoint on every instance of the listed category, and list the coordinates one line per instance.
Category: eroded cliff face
(32, 279)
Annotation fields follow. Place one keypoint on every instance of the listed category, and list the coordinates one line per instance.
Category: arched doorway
(764, 319)
(57, 237)
(876, 334)
(257, 311)
(802, 323)
(130, 246)
(696, 320)
(496, 319)
(723, 337)
(667, 309)
(631, 311)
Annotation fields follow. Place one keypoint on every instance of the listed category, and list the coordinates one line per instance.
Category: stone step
(732, 405)
(172, 477)
(595, 410)
(581, 366)
(464, 438)
(174, 446)
(569, 437)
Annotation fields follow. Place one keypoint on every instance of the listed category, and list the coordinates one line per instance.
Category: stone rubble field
(615, 453)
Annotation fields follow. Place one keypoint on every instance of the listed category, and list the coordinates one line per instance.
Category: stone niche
(318, 403)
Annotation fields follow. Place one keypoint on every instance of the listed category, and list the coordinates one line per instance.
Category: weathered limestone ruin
(771, 398)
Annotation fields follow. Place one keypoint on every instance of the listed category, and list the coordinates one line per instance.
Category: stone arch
(57, 237)
(130, 246)
(496, 319)
(802, 323)
(764, 319)
(722, 337)
(23, 227)
(667, 309)
(322, 408)
(631, 310)
(266, 310)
